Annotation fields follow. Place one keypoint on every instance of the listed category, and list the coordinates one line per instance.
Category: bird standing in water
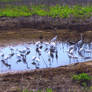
(80, 42)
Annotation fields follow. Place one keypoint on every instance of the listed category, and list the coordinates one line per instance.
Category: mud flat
(44, 22)
(59, 79)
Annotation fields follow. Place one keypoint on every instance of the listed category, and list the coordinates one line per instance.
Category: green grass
(41, 10)
(83, 79)
(47, 90)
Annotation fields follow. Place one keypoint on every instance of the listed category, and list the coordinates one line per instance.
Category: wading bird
(80, 43)
(6, 64)
(54, 39)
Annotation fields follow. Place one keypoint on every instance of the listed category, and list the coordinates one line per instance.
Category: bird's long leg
(44, 61)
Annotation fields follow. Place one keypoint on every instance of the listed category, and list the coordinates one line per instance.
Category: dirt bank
(59, 79)
(44, 22)
(16, 36)
(46, 2)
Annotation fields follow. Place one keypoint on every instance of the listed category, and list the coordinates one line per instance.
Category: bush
(83, 79)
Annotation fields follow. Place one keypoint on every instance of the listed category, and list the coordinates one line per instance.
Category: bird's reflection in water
(44, 54)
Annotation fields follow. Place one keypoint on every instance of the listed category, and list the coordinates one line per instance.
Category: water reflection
(43, 55)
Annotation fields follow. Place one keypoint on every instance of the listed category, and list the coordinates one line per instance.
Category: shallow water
(41, 55)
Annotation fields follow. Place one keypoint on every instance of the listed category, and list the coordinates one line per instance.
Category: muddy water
(27, 49)
(35, 55)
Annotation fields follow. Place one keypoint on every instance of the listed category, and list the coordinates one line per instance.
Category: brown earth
(28, 34)
(46, 2)
(45, 22)
(59, 79)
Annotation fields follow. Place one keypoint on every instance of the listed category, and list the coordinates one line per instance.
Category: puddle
(35, 55)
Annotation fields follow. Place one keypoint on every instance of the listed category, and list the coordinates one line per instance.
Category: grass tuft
(83, 79)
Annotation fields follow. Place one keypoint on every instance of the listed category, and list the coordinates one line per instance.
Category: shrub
(83, 79)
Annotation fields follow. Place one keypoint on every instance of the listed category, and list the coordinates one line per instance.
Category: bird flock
(81, 49)
(45, 52)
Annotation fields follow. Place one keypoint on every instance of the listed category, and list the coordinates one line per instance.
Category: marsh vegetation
(43, 10)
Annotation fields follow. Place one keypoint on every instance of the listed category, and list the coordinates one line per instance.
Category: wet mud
(22, 35)
(45, 22)
(59, 79)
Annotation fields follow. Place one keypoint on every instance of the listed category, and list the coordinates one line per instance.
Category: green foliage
(15, 11)
(42, 10)
(47, 90)
(38, 10)
(82, 78)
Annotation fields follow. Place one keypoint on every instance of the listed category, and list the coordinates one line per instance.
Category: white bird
(34, 58)
(88, 51)
(72, 56)
(37, 59)
(53, 44)
(48, 53)
(71, 49)
(2, 54)
(81, 49)
(6, 64)
(80, 52)
(11, 48)
(4, 57)
(46, 43)
(23, 51)
(80, 43)
(54, 39)
(27, 51)
(18, 56)
(37, 43)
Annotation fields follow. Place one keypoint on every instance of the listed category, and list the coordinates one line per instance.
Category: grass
(47, 90)
(41, 10)
(83, 79)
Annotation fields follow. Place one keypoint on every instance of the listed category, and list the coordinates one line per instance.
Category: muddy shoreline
(46, 2)
(59, 79)
(45, 22)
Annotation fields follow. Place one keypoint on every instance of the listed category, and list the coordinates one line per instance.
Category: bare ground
(59, 79)
(13, 36)
(45, 22)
